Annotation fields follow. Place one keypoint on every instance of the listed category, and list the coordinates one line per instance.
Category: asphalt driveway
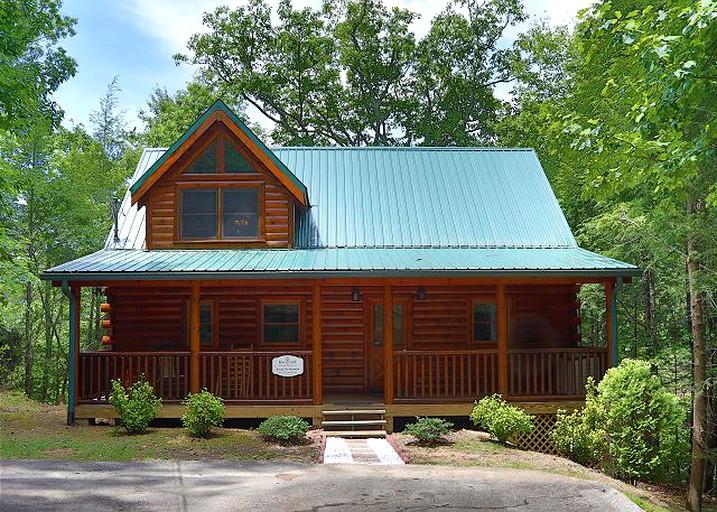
(211, 486)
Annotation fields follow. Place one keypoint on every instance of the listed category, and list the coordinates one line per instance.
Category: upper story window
(220, 156)
(220, 213)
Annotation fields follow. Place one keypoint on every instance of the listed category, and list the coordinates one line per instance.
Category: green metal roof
(426, 197)
(357, 262)
(408, 198)
(217, 105)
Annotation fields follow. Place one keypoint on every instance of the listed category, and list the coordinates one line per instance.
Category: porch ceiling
(338, 262)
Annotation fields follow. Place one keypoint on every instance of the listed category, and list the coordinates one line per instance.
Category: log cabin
(265, 276)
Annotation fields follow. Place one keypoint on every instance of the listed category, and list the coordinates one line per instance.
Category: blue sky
(135, 40)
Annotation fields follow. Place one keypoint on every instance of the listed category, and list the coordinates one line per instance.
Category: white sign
(287, 366)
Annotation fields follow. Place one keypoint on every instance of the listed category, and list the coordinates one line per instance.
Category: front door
(374, 351)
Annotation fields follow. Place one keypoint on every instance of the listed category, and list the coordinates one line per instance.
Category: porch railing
(168, 372)
(421, 375)
(554, 372)
(248, 376)
(235, 376)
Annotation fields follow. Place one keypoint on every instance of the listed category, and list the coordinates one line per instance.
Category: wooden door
(374, 349)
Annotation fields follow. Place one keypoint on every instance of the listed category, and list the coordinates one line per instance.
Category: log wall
(146, 318)
(162, 203)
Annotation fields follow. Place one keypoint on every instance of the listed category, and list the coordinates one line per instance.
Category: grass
(31, 430)
(470, 448)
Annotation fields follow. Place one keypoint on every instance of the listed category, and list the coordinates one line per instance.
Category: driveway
(211, 486)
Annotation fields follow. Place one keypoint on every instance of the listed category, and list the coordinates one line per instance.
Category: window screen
(240, 213)
(485, 322)
(206, 163)
(281, 323)
(198, 214)
(234, 162)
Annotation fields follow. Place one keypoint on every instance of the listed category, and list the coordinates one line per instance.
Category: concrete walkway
(341, 450)
(207, 486)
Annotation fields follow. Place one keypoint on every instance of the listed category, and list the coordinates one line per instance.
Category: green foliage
(284, 429)
(352, 73)
(645, 424)
(32, 67)
(202, 411)
(137, 406)
(428, 430)
(580, 435)
(499, 419)
(169, 116)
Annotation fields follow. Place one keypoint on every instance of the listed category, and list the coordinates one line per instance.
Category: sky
(135, 40)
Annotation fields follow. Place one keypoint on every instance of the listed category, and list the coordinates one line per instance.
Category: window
(281, 323)
(234, 162)
(220, 156)
(398, 325)
(240, 213)
(206, 324)
(206, 163)
(485, 321)
(231, 213)
(199, 214)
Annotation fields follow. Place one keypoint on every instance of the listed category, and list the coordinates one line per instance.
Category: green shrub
(284, 429)
(428, 430)
(136, 406)
(578, 437)
(644, 422)
(202, 411)
(500, 420)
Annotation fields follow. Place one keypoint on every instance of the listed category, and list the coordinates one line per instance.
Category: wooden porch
(436, 369)
(241, 377)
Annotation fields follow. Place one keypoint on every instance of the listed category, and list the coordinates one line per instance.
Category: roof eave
(340, 274)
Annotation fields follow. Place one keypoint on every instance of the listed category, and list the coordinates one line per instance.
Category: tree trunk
(699, 351)
(29, 384)
(650, 311)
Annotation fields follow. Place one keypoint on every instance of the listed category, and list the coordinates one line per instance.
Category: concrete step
(352, 423)
(356, 412)
(355, 433)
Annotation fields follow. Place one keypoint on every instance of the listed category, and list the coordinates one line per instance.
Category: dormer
(219, 186)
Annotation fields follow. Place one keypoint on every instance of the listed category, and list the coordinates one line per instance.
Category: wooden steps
(355, 433)
(357, 421)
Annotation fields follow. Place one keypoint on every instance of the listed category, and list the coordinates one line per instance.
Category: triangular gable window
(206, 163)
(234, 162)
(221, 156)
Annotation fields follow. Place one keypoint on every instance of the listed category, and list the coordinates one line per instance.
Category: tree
(654, 82)
(458, 66)
(110, 129)
(32, 67)
(352, 74)
(168, 116)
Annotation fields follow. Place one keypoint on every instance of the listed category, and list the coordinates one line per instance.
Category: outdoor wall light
(355, 295)
(421, 293)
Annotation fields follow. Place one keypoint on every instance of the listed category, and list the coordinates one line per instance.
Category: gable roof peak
(220, 112)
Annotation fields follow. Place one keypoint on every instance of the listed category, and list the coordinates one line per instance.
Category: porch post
(387, 345)
(502, 342)
(611, 288)
(73, 356)
(316, 343)
(194, 338)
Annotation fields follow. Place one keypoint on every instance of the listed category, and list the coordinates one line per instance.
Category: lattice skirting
(539, 440)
